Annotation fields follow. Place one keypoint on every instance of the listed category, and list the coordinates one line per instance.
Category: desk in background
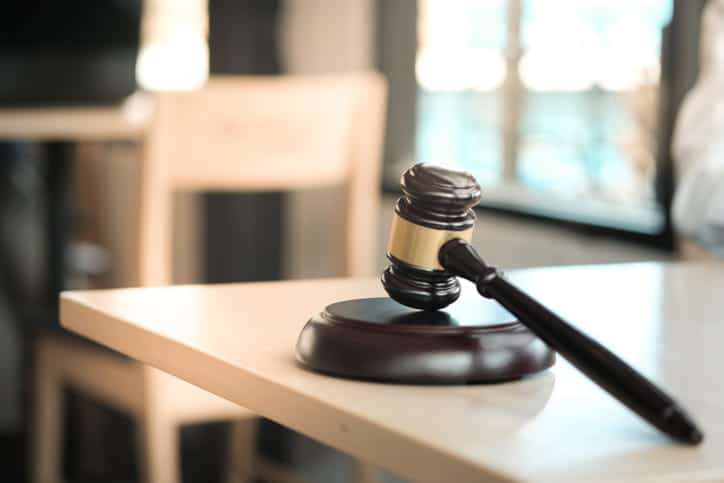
(59, 129)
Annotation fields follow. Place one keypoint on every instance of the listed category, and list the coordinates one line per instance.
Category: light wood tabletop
(238, 341)
(127, 120)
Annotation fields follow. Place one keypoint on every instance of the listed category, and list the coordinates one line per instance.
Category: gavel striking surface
(472, 341)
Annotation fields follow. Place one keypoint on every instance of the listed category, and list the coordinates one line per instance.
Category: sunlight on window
(552, 61)
(454, 54)
(174, 53)
(558, 96)
(438, 71)
(574, 46)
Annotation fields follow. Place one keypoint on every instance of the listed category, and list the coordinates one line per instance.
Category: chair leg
(241, 458)
(48, 427)
(158, 448)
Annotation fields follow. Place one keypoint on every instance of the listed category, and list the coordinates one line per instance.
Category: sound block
(472, 341)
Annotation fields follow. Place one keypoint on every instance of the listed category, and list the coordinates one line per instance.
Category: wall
(320, 37)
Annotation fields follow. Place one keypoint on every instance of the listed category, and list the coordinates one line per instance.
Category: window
(552, 104)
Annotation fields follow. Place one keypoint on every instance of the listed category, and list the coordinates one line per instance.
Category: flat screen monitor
(68, 52)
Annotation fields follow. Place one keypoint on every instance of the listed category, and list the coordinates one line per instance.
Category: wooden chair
(236, 133)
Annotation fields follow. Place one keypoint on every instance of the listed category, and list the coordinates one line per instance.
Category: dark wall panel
(243, 230)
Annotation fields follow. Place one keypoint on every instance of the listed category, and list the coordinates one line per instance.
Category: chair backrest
(266, 133)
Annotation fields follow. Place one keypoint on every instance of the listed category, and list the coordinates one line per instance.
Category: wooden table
(238, 340)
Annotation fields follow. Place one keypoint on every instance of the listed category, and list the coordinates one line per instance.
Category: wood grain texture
(238, 341)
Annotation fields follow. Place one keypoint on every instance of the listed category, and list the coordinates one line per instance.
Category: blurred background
(563, 110)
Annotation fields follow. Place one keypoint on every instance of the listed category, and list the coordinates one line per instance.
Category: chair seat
(119, 381)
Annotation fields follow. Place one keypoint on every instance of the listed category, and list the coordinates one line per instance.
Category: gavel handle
(594, 360)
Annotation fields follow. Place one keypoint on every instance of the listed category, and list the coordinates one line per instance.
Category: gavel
(429, 248)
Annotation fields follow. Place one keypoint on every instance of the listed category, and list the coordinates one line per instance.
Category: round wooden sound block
(472, 341)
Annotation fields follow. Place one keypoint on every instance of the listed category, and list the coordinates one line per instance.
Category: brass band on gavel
(418, 245)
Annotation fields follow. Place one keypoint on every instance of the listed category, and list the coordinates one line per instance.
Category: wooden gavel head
(435, 208)
(428, 249)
